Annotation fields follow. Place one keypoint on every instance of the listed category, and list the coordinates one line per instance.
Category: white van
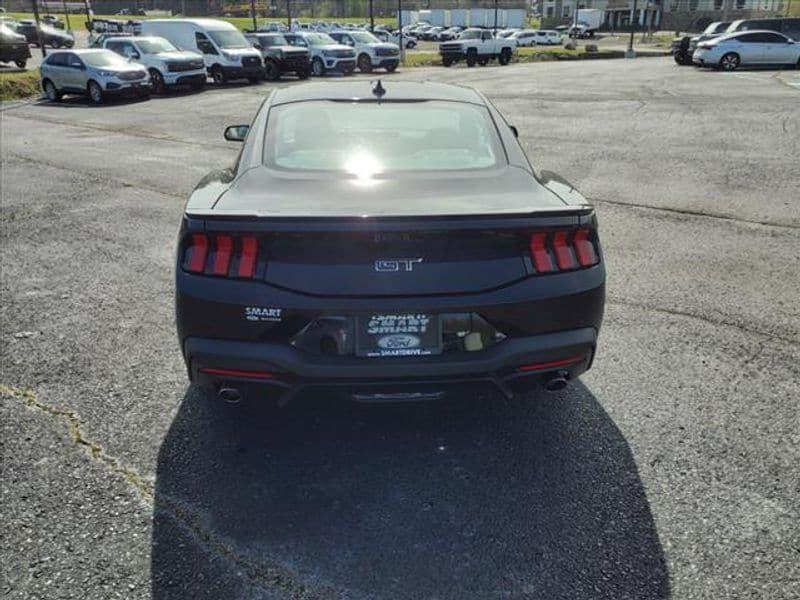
(166, 64)
(226, 52)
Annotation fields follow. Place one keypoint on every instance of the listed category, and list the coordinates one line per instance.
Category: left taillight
(221, 254)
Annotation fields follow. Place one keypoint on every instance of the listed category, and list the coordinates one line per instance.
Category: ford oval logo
(397, 341)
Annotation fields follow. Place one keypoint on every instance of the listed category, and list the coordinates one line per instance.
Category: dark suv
(280, 56)
(50, 36)
(684, 47)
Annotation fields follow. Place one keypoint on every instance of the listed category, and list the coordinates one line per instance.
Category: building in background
(670, 15)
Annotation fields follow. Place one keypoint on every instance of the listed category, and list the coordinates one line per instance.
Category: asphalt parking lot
(669, 470)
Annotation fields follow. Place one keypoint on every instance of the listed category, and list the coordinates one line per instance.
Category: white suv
(537, 37)
(164, 62)
(326, 53)
(371, 53)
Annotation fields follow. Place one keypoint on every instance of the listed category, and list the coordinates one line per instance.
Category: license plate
(401, 334)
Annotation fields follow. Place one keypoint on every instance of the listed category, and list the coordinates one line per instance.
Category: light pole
(66, 15)
(88, 15)
(371, 17)
(253, 14)
(289, 14)
(38, 28)
(630, 53)
(495, 17)
(400, 31)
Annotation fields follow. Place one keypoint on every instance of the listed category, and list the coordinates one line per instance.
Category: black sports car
(392, 243)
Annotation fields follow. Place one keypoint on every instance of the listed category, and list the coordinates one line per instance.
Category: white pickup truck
(477, 46)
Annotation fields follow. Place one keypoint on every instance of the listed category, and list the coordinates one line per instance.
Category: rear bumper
(513, 366)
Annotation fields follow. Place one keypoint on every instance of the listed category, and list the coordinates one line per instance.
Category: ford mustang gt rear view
(388, 241)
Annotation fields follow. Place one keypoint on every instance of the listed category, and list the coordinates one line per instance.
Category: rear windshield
(372, 138)
(471, 35)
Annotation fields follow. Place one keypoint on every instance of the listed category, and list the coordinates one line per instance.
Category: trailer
(468, 17)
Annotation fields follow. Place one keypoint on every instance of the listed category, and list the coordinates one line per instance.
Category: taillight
(563, 250)
(221, 254)
(196, 253)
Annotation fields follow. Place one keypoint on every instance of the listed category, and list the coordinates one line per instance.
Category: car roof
(210, 24)
(362, 89)
(80, 51)
(115, 37)
(736, 34)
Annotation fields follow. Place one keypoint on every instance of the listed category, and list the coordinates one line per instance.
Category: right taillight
(221, 254)
(563, 250)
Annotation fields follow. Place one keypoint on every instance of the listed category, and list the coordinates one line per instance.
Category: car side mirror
(514, 130)
(236, 133)
(257, 46)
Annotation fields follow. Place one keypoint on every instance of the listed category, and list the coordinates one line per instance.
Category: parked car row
(45, 33)
(184, 52)
(746, 42)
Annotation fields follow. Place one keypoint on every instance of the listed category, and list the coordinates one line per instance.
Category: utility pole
(400, 31)
(66, 15)
(253, 14)
(38, 27)
(289, 14)
(630, 53)
(88, 15)
(371, 17)
(495, 17)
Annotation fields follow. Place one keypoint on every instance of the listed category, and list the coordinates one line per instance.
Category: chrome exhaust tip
(229, 395)
(556, 382)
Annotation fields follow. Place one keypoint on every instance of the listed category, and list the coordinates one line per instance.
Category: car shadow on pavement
(536, 498)
(84, 102)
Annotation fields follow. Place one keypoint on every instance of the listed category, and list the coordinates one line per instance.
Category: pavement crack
(120, 131)
(680, 313)
(695, 213)
(79, 438)
(265, 574)
(93, 176)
